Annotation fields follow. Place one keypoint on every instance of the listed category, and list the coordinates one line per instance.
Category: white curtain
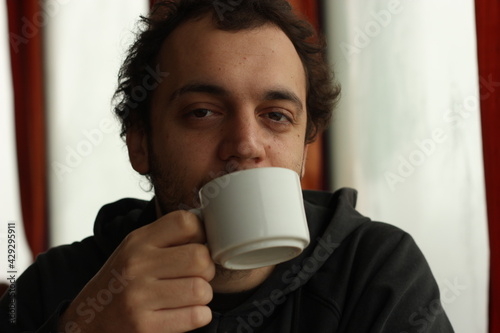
(10, 204)
(87, 163)
(407, 134)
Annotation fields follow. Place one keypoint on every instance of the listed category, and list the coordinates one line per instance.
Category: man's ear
(138, 153)
(303, 169)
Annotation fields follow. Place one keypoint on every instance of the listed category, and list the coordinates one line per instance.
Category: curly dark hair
(322, 91)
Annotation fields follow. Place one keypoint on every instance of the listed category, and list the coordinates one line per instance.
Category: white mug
(254, 218)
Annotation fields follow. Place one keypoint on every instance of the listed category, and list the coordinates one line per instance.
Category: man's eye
(278, 116)
(201, 113)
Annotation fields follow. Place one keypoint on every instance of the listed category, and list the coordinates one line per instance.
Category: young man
(236, 89)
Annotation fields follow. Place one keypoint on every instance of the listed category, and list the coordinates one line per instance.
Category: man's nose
(243, 141)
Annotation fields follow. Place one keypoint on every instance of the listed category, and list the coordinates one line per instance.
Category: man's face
(232, 101)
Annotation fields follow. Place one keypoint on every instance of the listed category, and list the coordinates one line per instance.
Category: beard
(172, 192)
(169, 183)
(169, 187)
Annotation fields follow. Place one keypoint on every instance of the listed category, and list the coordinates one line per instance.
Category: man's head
(245, 88)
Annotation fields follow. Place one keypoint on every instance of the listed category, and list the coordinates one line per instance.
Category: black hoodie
(355, 276)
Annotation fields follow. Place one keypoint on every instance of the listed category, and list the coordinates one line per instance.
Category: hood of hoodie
(324, 213)
(116, 220)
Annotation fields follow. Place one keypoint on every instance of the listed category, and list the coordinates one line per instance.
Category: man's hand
(167, 269)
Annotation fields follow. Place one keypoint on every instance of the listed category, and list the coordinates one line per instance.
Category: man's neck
(228, 281)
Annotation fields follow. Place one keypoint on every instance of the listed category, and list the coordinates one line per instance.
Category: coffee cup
(254, 218)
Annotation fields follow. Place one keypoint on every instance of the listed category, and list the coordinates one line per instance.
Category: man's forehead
(195, 31)
(257, 60)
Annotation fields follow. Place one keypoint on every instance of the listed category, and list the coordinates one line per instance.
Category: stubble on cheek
(173, 183)
(168, 179)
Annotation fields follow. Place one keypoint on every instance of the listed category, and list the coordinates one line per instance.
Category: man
(237, 89)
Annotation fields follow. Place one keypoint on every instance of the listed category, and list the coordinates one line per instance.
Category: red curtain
(488, 43)
(26, 20)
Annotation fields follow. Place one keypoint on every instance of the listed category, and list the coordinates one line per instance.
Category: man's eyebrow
(285, 95)
(212, 89)
(199, 88)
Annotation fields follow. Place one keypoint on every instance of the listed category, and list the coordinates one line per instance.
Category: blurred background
(416, 131)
